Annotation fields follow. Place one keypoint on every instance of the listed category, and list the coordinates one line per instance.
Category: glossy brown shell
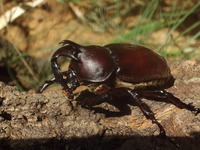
(94, 64)
(138, 64)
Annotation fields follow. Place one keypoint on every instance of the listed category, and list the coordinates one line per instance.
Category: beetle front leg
(45, 85)
(146, 111)
(50, 82)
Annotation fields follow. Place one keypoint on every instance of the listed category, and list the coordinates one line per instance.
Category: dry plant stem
(26, 65)
(77, 12)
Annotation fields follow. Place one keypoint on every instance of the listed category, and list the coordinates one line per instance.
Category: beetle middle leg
(114, 97)
(170, 98)
(89, 100)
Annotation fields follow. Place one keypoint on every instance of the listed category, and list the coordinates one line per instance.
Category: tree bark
(51, 121)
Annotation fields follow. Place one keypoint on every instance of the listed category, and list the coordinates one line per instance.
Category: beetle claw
(192, 108)
(197, 111)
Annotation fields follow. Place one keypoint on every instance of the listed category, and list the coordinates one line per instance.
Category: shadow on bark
(99, 142)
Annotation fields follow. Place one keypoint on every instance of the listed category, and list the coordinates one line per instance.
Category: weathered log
(50, 121)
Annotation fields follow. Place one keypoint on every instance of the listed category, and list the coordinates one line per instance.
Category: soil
(40, 29)
(54, 23)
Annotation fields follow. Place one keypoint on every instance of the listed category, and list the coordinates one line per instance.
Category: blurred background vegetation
(172, 28)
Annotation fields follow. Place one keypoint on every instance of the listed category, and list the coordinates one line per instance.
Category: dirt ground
(46, 25)
(39, 29)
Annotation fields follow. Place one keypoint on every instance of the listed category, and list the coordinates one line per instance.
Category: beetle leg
(48, 83)
(88, 100)
(45, 85)
(146, 111)
(171, 98)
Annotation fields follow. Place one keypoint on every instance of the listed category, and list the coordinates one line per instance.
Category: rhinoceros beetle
(122, 72)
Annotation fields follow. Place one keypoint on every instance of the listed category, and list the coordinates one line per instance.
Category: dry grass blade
(15, 12)
(77, 12)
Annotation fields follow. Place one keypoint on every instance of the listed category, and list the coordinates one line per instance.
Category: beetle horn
(73, 44)
(67, 51)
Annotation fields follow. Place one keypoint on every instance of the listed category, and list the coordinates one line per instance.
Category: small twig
(26, 64)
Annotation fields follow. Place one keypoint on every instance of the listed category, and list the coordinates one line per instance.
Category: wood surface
(50, 121)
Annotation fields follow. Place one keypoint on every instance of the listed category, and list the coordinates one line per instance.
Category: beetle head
(88, 64)
(67, 79)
